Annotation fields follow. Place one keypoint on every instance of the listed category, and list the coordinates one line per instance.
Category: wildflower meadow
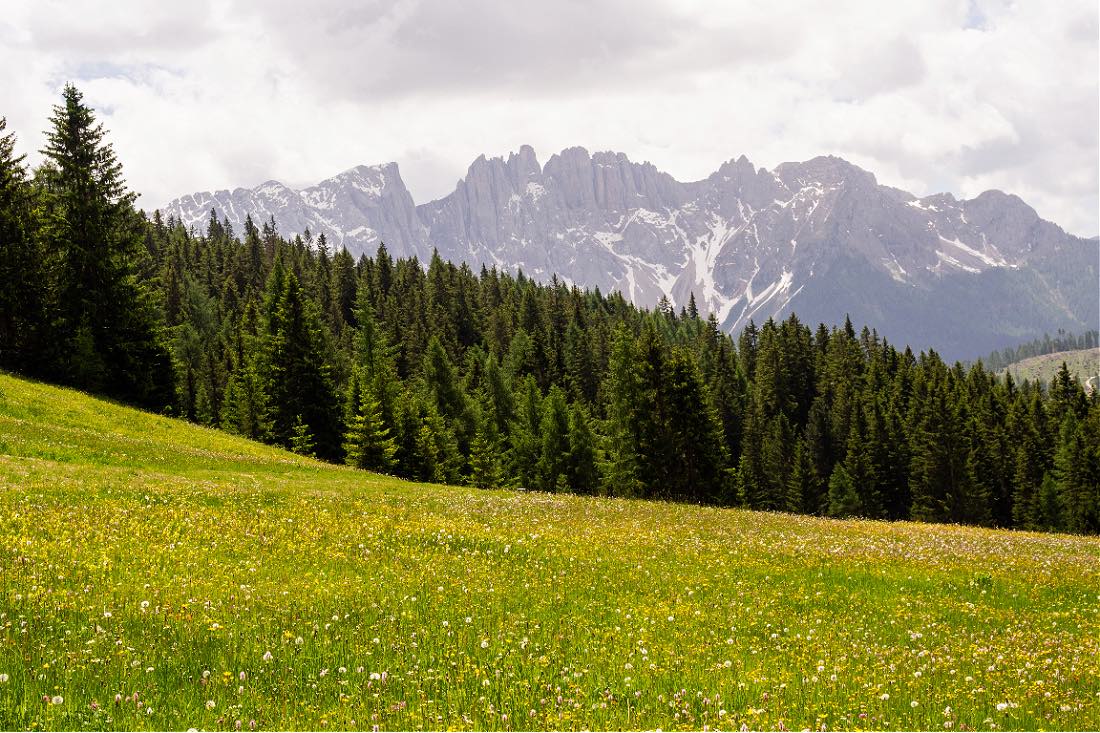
(159, 575)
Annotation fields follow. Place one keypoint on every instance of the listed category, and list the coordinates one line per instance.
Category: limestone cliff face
(821, 237)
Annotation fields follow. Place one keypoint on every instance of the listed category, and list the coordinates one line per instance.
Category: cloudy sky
(936, 95)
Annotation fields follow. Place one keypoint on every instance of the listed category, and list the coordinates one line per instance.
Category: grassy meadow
(1084, 364)
(158, 575)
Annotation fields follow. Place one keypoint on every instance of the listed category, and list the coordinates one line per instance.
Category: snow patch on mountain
(746, 242)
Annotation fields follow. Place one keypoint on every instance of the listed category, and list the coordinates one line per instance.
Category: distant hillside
(1083, 364)
(1061, 341)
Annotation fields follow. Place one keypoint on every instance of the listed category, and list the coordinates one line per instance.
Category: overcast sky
(935, 95)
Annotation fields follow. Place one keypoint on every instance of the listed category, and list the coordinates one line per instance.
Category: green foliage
(490, 379)
(120, 524)
(368, 443)
(92, 233)
(301, 439)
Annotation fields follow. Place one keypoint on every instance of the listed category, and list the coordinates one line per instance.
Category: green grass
(145, 557)
(1083, 364)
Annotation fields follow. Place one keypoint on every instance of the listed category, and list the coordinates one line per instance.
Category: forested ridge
(442, 374)
(1061, 341)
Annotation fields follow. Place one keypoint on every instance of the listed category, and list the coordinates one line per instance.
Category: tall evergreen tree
(107, 319)
(24, 316)
(553, 465)
(368, 443)
(298, 378)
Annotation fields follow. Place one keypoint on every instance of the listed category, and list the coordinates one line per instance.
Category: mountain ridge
(747, 242)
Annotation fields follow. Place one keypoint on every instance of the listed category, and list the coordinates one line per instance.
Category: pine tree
(445, 390)
(368, 443)
(1049, 514)
(108, 325)
(301, 439)
(525, 436)
(650, 416)
(24, 318)
(485, 449)
(692, 309)
(939, 480)
(1076, 478)
(298, 378)
(554, 428)
(582, 470)
(844, 498)
(694, 432)
(438, 458)
(804, 488)
(624, 395)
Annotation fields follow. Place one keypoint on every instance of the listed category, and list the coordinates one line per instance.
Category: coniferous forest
(435, 372)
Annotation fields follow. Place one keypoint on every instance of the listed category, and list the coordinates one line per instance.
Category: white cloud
(940, 95)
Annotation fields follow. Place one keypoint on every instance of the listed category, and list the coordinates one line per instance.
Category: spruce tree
(24, 318)
(695, 433)
(804, 487)
(301, 438)
(298, 377)
(582, 470)
(368, 443)
(485, 449)
(1076, 478)
(525, 436)
(554, 429)
(624, 395)
(844, 498)
(111, 340)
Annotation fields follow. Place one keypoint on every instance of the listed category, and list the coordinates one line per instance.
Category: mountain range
(821, 238)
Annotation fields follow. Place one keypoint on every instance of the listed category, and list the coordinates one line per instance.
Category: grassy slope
(138, 553)
(1082, 363)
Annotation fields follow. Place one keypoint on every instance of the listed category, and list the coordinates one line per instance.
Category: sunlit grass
(209, 582)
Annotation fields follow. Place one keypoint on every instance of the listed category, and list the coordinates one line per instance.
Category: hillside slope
(205, 580)
(1082, 363)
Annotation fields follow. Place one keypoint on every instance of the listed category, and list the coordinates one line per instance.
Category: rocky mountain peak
(820, 237)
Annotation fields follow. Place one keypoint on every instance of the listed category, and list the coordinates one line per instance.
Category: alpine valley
(821, 238)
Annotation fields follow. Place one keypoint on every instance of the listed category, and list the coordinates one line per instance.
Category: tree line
(438, 373)
(1061, 341)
